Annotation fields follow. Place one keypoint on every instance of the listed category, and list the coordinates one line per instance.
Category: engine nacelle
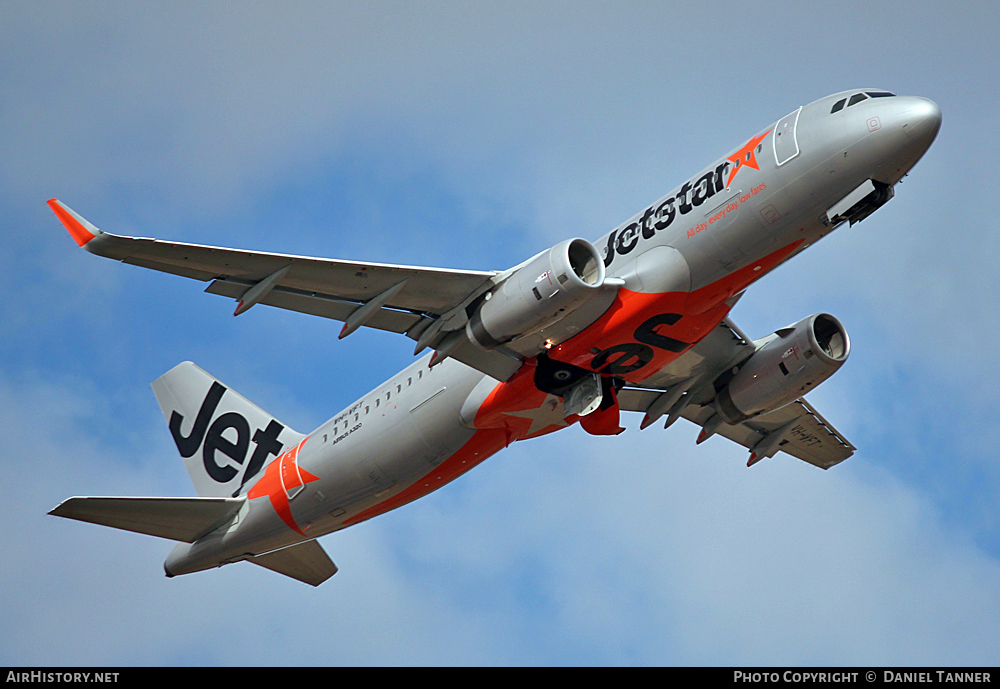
(786, 365)
(546, 288)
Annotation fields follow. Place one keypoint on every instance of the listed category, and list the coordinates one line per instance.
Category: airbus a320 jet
(637, 321)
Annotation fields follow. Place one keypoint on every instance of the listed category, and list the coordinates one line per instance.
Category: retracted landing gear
(585, 394)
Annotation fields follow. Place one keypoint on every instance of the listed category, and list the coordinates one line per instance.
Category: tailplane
(224, 438)
(179, 519)
(307, 562)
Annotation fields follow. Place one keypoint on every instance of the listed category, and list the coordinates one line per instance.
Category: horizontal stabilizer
(307, 562)
(179, 519)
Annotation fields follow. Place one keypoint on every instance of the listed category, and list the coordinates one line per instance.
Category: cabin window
(856, 98)
(366, 409)
(399, 388)
(409, 382)
(838, 106)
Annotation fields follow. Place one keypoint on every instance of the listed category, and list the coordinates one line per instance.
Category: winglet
(81, 230)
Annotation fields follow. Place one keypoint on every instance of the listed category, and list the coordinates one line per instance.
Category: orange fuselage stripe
(480, 446)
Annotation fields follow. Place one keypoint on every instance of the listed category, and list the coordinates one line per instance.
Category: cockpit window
(857, 98)
(838, 106)
(879, 94)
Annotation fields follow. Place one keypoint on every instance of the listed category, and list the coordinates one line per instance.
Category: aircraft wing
(685, 384)
(402, 299)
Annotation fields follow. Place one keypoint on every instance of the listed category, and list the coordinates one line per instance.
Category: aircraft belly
(392, 449)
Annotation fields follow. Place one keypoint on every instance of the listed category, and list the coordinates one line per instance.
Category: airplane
(637, 321)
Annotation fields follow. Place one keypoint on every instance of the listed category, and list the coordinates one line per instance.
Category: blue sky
(472, 135)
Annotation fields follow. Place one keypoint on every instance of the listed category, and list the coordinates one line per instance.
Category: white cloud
(646, 551)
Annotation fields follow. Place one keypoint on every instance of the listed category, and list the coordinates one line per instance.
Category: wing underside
(422, 303)
(810, 437)
(685, 387)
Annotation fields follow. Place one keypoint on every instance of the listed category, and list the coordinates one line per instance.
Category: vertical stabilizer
(225, 439)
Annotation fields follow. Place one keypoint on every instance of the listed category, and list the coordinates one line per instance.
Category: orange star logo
(746, 156)
(280, 478)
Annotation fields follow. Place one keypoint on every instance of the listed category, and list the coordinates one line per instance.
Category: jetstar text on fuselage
(661, 215)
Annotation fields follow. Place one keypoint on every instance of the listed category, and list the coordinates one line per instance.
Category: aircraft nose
(921, 121)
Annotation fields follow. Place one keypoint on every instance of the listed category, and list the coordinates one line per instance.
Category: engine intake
(785, 366)
(545, 289)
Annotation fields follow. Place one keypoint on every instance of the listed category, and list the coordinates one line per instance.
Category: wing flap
(317, 304)
(812, 439)
(179, 519)
(499, 363)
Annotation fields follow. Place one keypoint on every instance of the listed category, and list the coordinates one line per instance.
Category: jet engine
(545, 289)
(785, 366)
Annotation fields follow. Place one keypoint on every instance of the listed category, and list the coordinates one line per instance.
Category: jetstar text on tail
(214, 440)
